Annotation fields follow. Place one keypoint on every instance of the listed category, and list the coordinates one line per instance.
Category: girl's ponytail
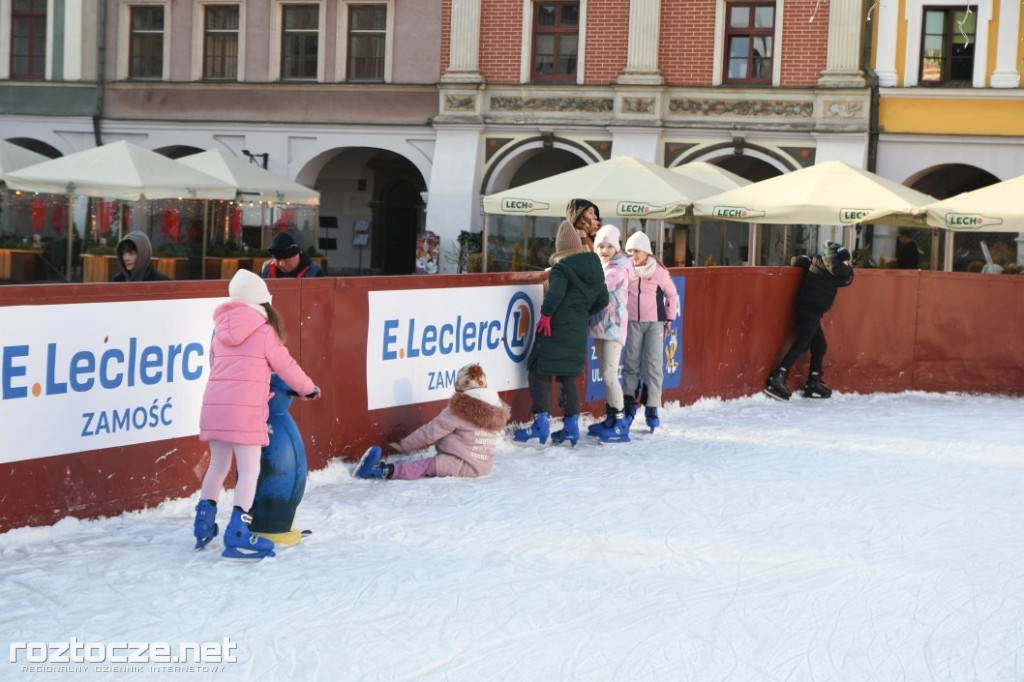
(274, 318)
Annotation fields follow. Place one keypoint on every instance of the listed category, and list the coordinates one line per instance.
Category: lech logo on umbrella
(970, 221)
(522, 205)
(630, 209)
(735, 212)
(852, 215)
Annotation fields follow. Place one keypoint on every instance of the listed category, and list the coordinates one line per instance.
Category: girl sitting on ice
(465, 435)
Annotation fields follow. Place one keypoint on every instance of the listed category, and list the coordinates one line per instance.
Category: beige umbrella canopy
(119, 170)
(996, 208)
(830, 193)
(623, 187)
(710, 174)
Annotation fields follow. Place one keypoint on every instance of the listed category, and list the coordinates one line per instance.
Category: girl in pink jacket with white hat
(465, 435)
(653, 302)
(248, 344)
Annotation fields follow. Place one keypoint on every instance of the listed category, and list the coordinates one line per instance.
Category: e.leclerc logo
(462, 334)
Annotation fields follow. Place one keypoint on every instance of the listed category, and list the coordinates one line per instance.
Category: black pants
(540, 393)
(809, 335)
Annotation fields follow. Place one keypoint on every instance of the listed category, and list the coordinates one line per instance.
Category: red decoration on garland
(236, 224)
(171, 224)
(106, 217)
(286, 219)
(37, 213)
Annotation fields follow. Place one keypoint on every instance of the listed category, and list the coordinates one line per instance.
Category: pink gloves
(544, 325)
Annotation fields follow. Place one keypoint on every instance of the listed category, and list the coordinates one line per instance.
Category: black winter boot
(815, 388)
(775, 387)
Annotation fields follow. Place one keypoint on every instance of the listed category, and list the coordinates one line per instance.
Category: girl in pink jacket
(465, 435)
(248, 344)
(653, 302)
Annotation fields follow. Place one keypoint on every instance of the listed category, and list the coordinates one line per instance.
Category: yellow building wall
(944, 116)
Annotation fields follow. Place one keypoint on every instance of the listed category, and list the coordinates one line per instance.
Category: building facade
(405, 113)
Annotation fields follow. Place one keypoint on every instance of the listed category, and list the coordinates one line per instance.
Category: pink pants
(441, 465)
(417, 468)
(247, 461)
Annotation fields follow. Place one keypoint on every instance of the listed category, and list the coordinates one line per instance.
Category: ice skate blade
(775, 396)
(203, 542)
(236, 553)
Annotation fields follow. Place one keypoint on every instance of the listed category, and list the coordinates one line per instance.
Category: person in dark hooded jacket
(575, 291)
(824, 276)
(135, 260)
(287, 260)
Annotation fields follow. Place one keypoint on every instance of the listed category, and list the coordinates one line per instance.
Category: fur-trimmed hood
(476, 407)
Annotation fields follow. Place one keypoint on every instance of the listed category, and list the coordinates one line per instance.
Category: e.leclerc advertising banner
(418, 339)
(88, 376)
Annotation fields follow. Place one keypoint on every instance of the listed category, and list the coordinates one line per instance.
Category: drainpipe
(873, 80)
(101, 66)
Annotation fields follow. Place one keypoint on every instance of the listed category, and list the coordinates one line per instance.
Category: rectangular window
(749, 43)
(947, 45)
(367, 41)
(28, 40)
(220, 42)
(556, 30)
(146, 43)
(300, 42)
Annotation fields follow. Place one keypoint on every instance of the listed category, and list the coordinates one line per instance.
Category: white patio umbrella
(12, 158)
(624, 187)
(253, 183)
(996, 208)
(119, 170)
(830, 193)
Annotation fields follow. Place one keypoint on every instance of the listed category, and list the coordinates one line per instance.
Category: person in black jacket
(135, 260)
(907, 254)
(287, 260)
(824, 275)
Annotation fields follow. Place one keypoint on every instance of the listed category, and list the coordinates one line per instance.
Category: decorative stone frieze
(553, 104)
(460, 102)
(753, 108)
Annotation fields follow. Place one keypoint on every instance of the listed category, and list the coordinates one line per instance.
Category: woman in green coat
(575, 291)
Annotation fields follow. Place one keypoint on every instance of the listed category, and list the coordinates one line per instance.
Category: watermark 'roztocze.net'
(124, 652)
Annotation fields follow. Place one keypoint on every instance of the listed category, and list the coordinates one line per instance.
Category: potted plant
(99, 263)
(223, 260)
(172, 260)
(17, 258)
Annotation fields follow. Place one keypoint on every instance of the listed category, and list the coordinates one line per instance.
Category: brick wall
(686, 41)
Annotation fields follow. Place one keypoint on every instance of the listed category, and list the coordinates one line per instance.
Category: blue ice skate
(205, 527)
(570, 431)
(540, 429)
(241, 543)
(651, 415)
(369, 465)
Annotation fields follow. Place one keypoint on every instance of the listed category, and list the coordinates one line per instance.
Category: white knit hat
(248, 287)
(638, 241)
(470, 376)
(609, 234)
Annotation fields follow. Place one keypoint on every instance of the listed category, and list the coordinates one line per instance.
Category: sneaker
(775, 387)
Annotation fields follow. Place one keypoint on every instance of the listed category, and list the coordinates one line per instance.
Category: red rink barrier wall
(890, 331)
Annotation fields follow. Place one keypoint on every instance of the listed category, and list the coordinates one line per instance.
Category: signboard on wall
(88, 376)
(672, 359)
(418, 339)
